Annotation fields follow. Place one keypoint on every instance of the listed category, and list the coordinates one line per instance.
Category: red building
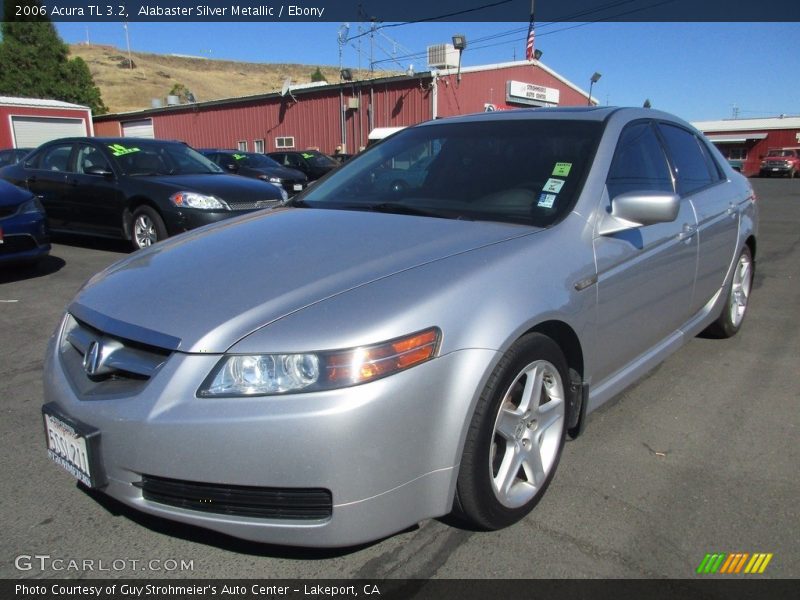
(28, 122)
(326, 116)
(744, 142)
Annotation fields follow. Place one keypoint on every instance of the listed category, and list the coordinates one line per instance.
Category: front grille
(240, 500)
(254, 205)
(17, 243)
(123, 366)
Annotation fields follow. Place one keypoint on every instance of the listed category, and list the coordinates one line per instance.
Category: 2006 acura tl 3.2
(336, 370)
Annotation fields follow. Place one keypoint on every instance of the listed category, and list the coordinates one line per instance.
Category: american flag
(531, 36)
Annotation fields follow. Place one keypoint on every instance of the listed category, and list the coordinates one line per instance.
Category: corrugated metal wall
(478, 88)
(314, 118)
(776, 138)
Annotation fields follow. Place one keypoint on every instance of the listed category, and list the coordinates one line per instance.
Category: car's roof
(566, 113)
(116, 140)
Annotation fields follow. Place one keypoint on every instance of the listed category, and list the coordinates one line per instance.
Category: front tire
(730, 321)
(516, 436)
(147, 227)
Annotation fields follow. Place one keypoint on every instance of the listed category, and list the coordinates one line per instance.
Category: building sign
(520, 92)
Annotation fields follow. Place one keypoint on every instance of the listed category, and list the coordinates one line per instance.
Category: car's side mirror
(638, 209)
(99, 171)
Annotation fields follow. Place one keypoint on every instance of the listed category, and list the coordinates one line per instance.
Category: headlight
(275, 180)
(264, 374)
(195, 200)
(30, 207)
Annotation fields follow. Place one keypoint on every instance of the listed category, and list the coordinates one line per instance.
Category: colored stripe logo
(735, 563)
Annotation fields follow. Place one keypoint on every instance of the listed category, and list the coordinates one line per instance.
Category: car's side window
(56, 158)
(639, 163)
(690, 164)
(90, 157)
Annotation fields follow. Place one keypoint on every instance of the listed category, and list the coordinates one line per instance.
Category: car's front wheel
(147, 227)
(516, 435)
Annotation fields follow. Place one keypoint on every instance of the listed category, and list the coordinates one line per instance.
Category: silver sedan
(336, 370)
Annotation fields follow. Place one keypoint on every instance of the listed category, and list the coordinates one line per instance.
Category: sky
(698, 71)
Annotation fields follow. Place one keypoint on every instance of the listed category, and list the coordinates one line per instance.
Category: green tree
(318, 76)
(35, 63)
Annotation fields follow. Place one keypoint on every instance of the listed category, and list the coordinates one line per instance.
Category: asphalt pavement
(701, 456)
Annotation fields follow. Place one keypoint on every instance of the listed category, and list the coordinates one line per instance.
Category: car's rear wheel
(147, 227)
(730, 321)
(516, 436)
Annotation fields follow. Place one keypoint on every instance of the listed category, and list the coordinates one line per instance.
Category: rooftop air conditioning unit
(442, 56)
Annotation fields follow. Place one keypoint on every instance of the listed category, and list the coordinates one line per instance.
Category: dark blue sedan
(24, 237)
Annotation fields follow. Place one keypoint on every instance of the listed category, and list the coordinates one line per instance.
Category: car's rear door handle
(687, 233)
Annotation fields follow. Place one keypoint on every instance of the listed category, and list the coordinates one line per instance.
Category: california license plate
(297, 187)
(72, 445)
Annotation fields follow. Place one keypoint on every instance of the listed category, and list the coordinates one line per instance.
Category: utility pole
(128, 43)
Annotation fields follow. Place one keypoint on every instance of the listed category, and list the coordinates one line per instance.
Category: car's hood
(209, 288)
(228, 187)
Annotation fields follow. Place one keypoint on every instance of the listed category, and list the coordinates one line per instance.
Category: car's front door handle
(687, 233)
(732, 210)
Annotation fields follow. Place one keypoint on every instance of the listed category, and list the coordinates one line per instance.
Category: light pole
(460, 44)
(595, 78)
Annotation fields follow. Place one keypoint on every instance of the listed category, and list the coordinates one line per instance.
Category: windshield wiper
(398, 208)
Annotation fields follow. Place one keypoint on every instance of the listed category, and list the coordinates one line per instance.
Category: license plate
(73, 446)
(297, 187)
(774, 168)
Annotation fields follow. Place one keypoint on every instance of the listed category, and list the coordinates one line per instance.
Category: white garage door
(140, 129)
(29, 132)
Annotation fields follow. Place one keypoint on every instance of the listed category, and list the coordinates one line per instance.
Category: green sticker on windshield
(562, 169)
(306, 155)
(239, 156)
(120, 150)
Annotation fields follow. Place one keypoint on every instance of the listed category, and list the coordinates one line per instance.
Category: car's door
(46, 176)
(94, 199)
(716, 205)
(645, 274)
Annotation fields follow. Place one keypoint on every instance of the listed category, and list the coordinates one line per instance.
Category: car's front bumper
(387, 451)
(25, 238)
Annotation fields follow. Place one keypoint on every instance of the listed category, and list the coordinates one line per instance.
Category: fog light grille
(240, 500)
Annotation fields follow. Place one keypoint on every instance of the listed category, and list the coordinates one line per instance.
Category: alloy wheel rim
(144, 230)
(740, 290)
(527, 434)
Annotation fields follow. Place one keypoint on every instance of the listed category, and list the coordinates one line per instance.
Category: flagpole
(529, 42)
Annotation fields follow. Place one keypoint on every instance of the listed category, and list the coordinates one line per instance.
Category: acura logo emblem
(92, 358)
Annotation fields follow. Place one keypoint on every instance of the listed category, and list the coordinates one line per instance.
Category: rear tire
(147, 227)
(516, 436)
(730, 321)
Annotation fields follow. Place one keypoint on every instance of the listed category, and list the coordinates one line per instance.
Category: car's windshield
(252, 159)
(780, 153)
(145, 157)
(319, 160)
(521, 171)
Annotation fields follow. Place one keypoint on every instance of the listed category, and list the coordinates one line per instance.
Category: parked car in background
(136, 189)
(260, 166)
(781, 161)
(11, 156)
(24, 237)
(313, 163)
(365, 358)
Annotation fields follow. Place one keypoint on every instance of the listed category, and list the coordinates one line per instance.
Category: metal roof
(734, 125)
(39, 103)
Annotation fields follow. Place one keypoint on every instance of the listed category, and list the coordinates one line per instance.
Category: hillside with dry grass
(154, 76)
